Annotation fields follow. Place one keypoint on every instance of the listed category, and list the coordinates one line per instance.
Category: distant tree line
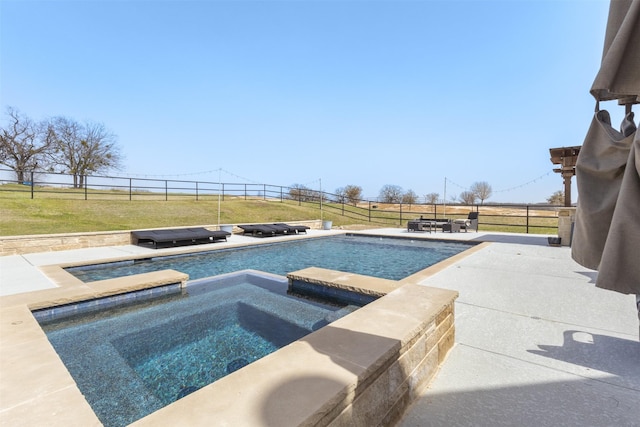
(56, 145)
(395, 194)
(352, 194)
(63, 145)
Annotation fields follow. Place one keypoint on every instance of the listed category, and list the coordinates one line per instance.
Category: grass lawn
(67, 211)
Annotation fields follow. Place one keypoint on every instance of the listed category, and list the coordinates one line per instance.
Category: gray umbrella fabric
(599, 170)
(607, 228)
(619, 74)
(620, 265)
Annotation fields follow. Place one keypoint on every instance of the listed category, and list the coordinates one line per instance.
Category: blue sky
(368, 93)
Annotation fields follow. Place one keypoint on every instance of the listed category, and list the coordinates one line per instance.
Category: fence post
(166, 190)
(196, 191)
(400, 213)
(369, 210)
(130, 189)
(32, 188)
(527, 219)
(223, 191)
(86, 178)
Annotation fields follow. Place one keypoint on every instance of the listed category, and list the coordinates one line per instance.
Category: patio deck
(536, 342)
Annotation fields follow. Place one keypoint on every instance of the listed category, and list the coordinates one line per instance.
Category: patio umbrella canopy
(607, 228)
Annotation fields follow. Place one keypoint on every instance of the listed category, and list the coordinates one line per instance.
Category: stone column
(566, 218)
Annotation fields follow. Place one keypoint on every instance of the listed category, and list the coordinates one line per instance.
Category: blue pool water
(138, 354)
(131, 361)
(388, 258)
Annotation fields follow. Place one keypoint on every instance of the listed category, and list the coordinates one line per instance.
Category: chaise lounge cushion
(177, 236)
(269, 230)
(293, 229)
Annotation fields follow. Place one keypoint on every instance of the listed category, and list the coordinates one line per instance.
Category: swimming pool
(129, 361)
(383, 257)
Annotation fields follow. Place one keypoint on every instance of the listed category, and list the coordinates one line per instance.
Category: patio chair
(470, 222)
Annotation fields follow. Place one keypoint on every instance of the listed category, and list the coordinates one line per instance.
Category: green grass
(52, 215)
(66, 211)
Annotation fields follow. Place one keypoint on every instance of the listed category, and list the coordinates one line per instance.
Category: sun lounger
(168, 237)
(270, 230)
(293, 229)
(258, 230)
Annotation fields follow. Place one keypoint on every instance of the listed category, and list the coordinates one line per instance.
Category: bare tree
(390, 194)
(353, 193)
(23, 144)
(83, 149)
(468, 197)
(431, 198)
(482, 190)
(301, 193)
(410, 197)
(556, 198)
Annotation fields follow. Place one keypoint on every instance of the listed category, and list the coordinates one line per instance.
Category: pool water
(131, 361)
(387, 258)
(136, 357)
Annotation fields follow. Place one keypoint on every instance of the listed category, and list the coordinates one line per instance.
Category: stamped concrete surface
(537, 344)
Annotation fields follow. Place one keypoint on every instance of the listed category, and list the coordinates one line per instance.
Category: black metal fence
(505, 217)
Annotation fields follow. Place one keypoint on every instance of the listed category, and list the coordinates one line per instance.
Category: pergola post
(566, 157)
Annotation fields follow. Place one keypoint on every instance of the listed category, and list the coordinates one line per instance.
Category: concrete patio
(536, 342)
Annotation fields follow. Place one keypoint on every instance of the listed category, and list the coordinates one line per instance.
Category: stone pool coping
(364, 368)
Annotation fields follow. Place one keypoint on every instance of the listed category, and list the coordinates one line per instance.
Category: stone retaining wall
(19, 245)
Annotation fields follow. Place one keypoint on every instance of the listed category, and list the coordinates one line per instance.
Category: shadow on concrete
(516, 239)
(604, 353)
(592, 275)
(544, 404)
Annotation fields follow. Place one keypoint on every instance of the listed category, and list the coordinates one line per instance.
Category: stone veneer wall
(19, 245)
(394, 387)
(27, 244)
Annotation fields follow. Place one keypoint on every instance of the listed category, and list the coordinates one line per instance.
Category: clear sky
(328, 92)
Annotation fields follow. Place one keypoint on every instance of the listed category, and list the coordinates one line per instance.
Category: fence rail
(504, 217)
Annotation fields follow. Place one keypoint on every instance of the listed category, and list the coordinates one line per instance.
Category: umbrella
(607, 228)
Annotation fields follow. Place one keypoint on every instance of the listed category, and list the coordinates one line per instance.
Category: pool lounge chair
(270, 230)
(293, 229)
(169, 237)
(261, 230)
